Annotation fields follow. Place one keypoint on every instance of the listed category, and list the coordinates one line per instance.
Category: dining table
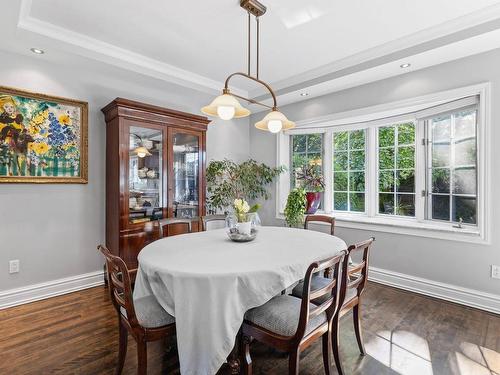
(208, 282)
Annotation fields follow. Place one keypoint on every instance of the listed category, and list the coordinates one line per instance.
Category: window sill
(405, 226)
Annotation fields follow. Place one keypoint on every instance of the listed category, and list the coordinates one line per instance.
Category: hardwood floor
(404, 333)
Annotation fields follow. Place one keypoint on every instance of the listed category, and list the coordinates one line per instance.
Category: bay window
(423, 169)
(349, 157)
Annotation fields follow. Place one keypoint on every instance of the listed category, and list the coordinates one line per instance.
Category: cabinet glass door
(186, 174)
(145, 177)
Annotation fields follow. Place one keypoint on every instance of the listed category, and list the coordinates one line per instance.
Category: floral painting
(42, 138)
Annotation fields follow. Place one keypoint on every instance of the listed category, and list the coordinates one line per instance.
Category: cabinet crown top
(114, 108)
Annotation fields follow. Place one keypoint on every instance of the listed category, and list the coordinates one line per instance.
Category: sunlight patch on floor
(402, 351)
(476, 359)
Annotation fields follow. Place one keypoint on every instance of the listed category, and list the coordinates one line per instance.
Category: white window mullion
(420, 170)
(328, 170)
(371, 185)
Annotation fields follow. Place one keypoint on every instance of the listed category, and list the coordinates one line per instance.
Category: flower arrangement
(242, 209)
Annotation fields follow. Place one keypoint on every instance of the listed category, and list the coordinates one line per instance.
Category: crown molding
(461, 28)
(108, 53)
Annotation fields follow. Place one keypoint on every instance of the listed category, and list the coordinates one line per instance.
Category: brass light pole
(227, 106)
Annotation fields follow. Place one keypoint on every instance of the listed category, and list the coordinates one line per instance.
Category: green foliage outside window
(349, 171)
(397, 169)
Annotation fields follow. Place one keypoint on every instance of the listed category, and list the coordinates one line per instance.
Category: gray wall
(456, 263)
(54, 229)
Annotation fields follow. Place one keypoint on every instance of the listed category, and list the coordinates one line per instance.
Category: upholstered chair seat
(281, 316)
(149, 313)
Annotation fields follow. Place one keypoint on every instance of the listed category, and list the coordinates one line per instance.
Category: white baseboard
(464, 296)
(31, 293)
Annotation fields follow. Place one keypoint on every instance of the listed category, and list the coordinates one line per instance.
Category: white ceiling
(201, 41)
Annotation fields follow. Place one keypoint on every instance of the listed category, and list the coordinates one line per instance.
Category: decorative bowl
(242, 231)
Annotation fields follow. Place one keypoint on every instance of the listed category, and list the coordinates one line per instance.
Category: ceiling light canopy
(227, 106)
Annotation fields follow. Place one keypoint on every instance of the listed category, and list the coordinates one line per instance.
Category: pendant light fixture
(227, 106)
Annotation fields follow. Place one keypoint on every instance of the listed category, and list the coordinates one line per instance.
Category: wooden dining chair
(322, 219)
(173, 226)
(353, 282)
(352, 285)
(144, 318)
(291, 325)
(219, 220)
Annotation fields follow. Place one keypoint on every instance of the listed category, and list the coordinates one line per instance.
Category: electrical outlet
(495, 271)
(14, 266)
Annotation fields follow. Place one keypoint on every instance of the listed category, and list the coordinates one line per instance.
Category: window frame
(429, 170)
(332, 168)
(370, 119)
(396, 147)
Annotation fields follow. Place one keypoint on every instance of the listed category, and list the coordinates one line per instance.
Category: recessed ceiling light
(37, 51)
(304, 93)
(406, 65)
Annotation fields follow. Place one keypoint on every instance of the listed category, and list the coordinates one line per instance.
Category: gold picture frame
(43, 138)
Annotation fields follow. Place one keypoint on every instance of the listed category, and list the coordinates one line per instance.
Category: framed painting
(43, 139)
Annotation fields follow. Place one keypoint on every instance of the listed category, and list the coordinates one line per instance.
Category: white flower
(245, 207)
(241, 206)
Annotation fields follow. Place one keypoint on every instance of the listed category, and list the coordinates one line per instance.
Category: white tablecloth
(208, 283)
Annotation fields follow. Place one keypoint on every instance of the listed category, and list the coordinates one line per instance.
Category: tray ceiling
(301, 40)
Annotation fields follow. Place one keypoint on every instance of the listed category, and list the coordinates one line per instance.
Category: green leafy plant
(310, 177)
(295, 207)
(227, 181)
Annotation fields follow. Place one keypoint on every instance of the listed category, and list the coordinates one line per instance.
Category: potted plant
(227, 181)
(310, 177)
(295, 207)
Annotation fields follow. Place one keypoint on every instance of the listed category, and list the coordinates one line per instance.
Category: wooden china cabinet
(155, 168)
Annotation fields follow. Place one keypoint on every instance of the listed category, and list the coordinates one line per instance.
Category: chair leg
(293, 362)
(336, 344)
(356, 315)
(327, 350)
(245, 352)
(142, 357)
(122, 348)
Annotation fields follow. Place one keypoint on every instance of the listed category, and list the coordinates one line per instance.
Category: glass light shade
(142, 151)
(226, 112)
(225, 100)
(274, 126)
(271, 122)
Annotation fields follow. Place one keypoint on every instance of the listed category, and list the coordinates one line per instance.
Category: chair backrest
(356, 276)
(215, 219)
(331, 304)
(172, 227)
(120, 286)
(320, 218)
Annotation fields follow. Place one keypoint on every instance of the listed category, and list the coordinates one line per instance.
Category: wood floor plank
(405, 333)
